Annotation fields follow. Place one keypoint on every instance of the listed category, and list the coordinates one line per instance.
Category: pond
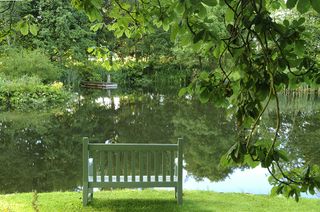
(42, 150)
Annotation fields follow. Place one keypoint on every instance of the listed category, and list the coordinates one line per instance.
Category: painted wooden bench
(131, 166)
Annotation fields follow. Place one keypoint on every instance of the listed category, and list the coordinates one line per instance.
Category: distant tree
(55, 26)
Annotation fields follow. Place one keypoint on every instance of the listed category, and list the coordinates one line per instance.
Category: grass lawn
(153, 200)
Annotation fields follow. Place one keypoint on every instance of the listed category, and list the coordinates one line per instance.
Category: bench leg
(85, 196)
(175, 192)
(91, 194)
(179, 195)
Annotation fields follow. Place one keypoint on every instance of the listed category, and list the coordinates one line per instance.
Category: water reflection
(252, 181)
(36, 154)
(207, 135)
(43, 151)
(299, 133)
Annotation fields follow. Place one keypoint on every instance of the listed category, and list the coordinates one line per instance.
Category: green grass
(154, 200)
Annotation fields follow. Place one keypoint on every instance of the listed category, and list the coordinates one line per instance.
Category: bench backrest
(126, 163)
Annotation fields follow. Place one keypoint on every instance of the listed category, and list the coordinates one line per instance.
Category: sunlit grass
(154, 200)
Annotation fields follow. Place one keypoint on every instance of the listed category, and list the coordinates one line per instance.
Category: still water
(42, 150)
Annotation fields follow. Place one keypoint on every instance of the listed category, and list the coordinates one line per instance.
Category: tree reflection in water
(42, 151)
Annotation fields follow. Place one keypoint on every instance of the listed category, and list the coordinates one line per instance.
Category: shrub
(29, 93)
(19, 62)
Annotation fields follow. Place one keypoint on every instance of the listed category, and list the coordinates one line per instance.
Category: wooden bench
(131, 166)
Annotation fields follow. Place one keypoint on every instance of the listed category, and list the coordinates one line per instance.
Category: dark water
(43, 150)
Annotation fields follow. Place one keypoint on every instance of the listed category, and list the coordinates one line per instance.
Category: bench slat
(171, 165)
(125, 165)
(163, 166)
(140, 167)
(110, 165)
(156, 159)
(94, 166)
(133, 171)
(85, 173)
(102, 165)
(148, 166)
(118, 168)
(179, 184)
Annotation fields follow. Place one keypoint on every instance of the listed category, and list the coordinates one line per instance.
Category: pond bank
(153, 200)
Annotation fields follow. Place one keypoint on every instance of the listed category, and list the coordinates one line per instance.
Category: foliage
(134, 74)
(29, 93)
(140, 62)
(55, 26)
(20, 62)
(268, 54)
(68, 47)
(63, 31)
(73, 74)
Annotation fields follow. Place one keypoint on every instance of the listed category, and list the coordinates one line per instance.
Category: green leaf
(204, 76)
(34, 29)
(315, 5)
(180, 8)
(93, 14)
(306, 172)
(296, 195)
(311, 189)
(301, 21)
(235, 75)
(166, 26)
(291, 3)
(224, 161)
(204, 95)
(274, 191)
(210, 2)
(229, 15)
(303, 6)
(222, 3)
(118, 33)
(216, 52)
(96, 3)
(24, 28)
(127, 33)
(199, 36)
(283, 155)
(275, 5)
(96, 27)
(299, 47)
(182, 92)
(174, 32)
(202, 11)
(90, 49)
(304, 188)
(248, 160)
